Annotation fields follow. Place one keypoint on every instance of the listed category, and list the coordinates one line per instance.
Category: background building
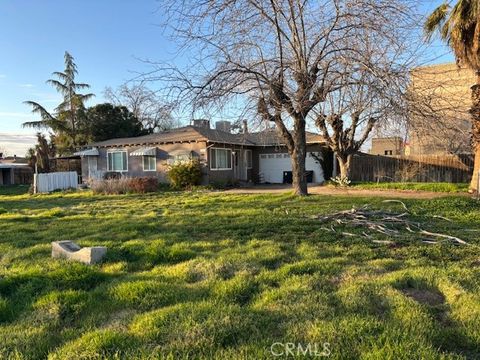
(440, 121)
(387, 146)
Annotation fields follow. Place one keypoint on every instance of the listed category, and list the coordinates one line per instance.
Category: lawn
(415, 186)
(209, 275)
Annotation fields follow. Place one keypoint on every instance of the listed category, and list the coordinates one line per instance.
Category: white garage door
(272, 167)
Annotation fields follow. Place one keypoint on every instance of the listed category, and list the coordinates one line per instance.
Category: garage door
(272, 167)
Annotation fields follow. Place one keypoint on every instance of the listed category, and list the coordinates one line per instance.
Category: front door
(92, 167)
(240, 165)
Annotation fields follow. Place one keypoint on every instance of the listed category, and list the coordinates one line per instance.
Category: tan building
(388, 146)
(440, 121)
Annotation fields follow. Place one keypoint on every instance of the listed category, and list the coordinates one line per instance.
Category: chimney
(201, 123)
(224, 126)
(244, 126)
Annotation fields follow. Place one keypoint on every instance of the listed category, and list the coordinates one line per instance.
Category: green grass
(435, 187)
(14, 189)
(210, 275)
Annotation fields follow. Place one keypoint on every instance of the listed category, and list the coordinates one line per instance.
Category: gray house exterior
(246, 157)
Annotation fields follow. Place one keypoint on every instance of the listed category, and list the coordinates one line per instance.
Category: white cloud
(16, 144)
(28, 86)
(3, 76)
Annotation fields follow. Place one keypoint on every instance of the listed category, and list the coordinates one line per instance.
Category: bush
(185, 175)
(110, 186)
(143, 184)
(124, 185)
(112, 175)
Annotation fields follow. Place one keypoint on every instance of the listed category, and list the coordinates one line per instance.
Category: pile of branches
(383, 222)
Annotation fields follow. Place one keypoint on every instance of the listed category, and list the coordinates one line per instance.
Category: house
(15, 171)
(442, 123)
(245, 157)
(387, 146)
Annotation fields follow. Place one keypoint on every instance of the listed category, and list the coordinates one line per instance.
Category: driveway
(333, 191)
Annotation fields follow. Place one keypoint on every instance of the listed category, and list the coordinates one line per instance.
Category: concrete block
(67, 249)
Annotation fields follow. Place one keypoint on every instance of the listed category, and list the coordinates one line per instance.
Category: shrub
(110, 186)
(124, 185)
(340, 181)
(185, 175)
(112, 175)
(143, 184)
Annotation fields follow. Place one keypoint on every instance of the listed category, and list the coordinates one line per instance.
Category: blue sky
(106, 37)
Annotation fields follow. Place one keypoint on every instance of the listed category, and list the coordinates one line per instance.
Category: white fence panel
(55, 181)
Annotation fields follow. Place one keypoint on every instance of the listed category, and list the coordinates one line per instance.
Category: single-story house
(15, 171)
(258, 157)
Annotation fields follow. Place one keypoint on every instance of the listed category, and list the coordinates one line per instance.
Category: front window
(220, 159)
(117, 161)
(149, 163)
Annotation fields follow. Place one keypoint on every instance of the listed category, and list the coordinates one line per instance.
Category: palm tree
(40, 155)
(459, 26)
(66, 116)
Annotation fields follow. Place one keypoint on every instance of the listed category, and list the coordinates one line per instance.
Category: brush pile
(390, 224)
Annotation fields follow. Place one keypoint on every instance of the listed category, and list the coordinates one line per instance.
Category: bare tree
(370, 96)
(280, 59)
(144, 103)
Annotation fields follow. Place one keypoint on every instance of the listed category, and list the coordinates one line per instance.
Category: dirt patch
(423, 296)
(328, 190)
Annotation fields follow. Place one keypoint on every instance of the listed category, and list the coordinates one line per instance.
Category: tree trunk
(475, 112)
(298, 165)
(344, 164)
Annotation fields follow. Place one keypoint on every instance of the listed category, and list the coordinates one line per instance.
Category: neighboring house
(440, 123)
(246, 157)
(388, 146)
(15, 171)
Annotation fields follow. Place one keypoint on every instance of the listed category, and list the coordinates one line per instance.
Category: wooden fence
(425, 168)
(55, 181)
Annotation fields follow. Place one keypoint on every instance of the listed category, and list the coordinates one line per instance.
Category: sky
(108, 39)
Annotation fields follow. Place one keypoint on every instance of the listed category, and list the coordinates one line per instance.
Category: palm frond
(61, 75)
(81, 86)
(85, 97)
(39, 124)
(61, 88)
(436, 20)
(39, 109)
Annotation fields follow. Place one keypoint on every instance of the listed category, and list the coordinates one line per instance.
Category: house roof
(13, 160)
(193, 133)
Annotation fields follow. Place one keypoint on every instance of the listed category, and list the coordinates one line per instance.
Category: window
(388, 152)
(248, 158)
(180, 157)
(117, 161)
(149, 163)
(220, 159)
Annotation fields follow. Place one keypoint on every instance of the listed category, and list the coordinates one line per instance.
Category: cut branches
(387, 223)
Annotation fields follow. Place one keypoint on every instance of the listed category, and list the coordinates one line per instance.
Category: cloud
(3, 76)
(28, 86)
(16, 144)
